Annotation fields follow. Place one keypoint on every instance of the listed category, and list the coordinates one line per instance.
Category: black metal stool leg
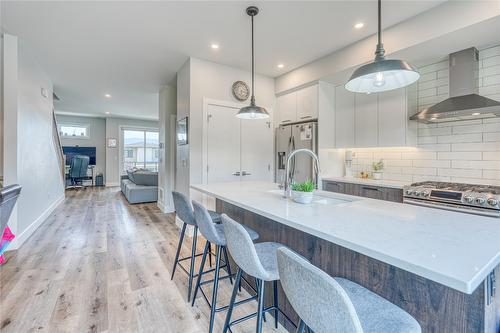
(193, 259)
(275, 296)
(214, 289)
(176, 260)
(210, 253)
(202, 266)
(257, 282)
(233, 298)
(301, 326)
(226, 259)
(260, 309)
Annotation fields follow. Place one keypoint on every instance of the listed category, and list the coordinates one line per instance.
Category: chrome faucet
(289, 179)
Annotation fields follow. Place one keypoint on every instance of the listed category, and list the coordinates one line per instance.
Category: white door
(223, 144)
(256, 150)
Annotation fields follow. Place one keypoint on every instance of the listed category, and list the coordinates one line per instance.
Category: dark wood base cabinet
(438, 309)
(367, 191)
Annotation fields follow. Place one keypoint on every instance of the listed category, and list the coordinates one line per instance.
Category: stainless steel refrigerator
(292, 137)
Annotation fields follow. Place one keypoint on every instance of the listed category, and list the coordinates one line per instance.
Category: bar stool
(330, 305)
(214, 234)
(185, 213)
(257, 260)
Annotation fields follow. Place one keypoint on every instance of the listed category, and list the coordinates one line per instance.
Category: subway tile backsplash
(460, 151)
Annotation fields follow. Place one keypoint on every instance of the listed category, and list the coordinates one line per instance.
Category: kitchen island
(435, 264)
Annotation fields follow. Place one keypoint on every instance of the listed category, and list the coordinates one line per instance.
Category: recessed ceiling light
(107, 112)
(476, 114)
(433, 118)
(359, 25)
(215, 46)
(281, 65)
(107, 95)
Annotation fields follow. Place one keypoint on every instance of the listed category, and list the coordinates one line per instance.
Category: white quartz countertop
(455, 249)
(374, 182)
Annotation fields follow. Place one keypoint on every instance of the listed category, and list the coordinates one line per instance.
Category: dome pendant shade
(382, 74)
(252, 111)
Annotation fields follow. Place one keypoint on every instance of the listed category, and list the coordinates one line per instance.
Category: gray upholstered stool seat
(214, 234)
(256, 260)
(377, 314)
(215, 216)
(336, 305)
(267, 253)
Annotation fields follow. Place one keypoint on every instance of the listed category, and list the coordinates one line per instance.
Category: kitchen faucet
(289, 179)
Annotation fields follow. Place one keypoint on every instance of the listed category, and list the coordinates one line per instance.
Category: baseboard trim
(164, 208)
(23, 237)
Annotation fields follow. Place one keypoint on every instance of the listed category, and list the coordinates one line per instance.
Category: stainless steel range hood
(464, 102)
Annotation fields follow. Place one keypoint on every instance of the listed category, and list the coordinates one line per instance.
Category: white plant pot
(377, 175)
(302, 197)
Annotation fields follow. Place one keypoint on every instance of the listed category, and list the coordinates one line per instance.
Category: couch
(140, 186)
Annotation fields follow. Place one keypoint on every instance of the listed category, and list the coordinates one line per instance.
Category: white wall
(30, 155)
(113, 126)
(97, 137)
(1, 105)
(210, 80)
(166, 182)
(183, 109)
(459, 151)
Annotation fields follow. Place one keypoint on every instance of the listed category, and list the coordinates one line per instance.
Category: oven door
(453, 207)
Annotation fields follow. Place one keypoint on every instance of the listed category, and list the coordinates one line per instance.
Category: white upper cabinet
(393, 113)
(298, 105)
(344, 118)
(366, 120)
(374, 120)
(307, 103)
(287, 108)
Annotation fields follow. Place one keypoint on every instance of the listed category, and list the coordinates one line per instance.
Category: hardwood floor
(99, 264)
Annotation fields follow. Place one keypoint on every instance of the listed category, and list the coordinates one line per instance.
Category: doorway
(235, 149)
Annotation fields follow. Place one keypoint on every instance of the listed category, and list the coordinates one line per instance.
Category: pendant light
(252, 111)
(382, 74)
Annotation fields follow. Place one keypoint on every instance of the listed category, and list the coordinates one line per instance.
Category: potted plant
(377, 169)
(303, 192)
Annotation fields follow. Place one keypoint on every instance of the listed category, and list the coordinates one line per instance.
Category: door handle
(370, 188)
(244, 173)
(237, 173)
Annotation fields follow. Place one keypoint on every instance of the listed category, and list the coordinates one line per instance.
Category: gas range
(467, 198)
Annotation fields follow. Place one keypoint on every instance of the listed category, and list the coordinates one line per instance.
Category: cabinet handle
(370, 188)
(237, 173)
(305, 117)
(244, 173)
(286, 121)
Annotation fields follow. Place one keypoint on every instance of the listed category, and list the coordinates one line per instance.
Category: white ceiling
(130, 49)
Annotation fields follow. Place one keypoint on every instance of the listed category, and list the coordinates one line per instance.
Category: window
(75, 131)
(129, 153)
(140, 149)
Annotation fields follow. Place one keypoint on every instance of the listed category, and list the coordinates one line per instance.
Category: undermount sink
(317, 199)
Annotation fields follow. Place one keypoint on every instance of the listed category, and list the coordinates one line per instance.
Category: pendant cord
(252, 100)
(380, 21)
(380, 52)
